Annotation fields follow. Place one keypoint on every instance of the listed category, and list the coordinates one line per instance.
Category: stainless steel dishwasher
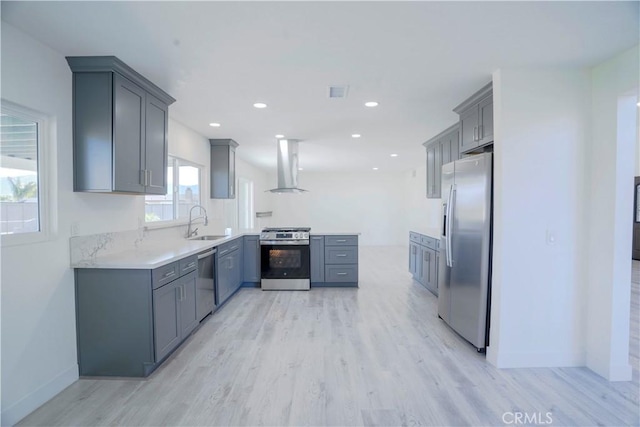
(205, 289)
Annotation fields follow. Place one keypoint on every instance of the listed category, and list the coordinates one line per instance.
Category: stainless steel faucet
(191, 233)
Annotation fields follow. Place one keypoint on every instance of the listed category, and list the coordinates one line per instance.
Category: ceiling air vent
(338, 91)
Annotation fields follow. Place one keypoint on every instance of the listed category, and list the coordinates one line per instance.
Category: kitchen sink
(207, 237)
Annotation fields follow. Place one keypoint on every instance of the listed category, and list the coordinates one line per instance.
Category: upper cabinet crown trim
(473, 99)
(224, 142)
(447, 131)
(97, 64)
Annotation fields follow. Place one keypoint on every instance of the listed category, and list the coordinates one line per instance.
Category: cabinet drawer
(341, 240)
(188, 264)
(341, 254)
(228, 247)
(341, 273)
(165, 274)
(414, 237)
(429, 242)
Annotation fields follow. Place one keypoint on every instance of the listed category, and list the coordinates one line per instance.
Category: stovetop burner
(287, 229)
(300, 235)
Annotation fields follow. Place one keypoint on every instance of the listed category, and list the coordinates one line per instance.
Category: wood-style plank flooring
(377, 355)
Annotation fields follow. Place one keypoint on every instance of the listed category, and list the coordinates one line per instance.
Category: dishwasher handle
(206, 254)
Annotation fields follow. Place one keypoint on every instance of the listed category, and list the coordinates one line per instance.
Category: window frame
(45, 179)
(176, 162)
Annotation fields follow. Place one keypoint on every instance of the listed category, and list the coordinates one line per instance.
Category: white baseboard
(17, 411)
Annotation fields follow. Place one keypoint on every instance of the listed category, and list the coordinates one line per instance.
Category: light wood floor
(377, 355)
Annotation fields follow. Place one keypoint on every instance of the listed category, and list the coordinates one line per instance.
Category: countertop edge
(134, 259)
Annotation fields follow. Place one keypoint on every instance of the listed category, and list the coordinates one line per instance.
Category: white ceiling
(417, 59)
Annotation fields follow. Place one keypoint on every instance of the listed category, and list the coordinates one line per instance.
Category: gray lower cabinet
(251, 259)
(174, 309)
(476, 120)
(129, 320)
(120, 128)
(229, 270)
(316, 251)
(441, 149)
(423, 260)
(223, 168)
(334, 260)
(341, 260)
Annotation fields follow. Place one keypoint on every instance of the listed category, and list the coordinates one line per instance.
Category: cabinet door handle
(341, 274)
(474, 133)
(143, 177)
(169, 274)
(341, 255)
(341, 241)
(223, 252)
(480, 132)
(149, 179)
(190, 265)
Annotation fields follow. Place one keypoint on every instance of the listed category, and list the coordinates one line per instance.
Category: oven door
(284, 261)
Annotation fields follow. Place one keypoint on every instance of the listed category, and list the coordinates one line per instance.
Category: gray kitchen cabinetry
(229, 270)
(423, 260)
(174, 313)
(441, 149)
(120, 126)
(341, 260)
(334, 260)
(476, 120)
(251, 260)
(129, 320)
(223, 168)
(316, 251)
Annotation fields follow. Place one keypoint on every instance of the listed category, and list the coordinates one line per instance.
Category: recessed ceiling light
(260, 105)
(279, 136)
(394, 155)
(300, 169)
(214, 125)
(356, 135)
(371, 104)
(375, 169)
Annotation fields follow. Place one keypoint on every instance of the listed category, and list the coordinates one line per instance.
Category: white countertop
(154, 255)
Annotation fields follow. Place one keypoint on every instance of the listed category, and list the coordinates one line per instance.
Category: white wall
(540, 119)
(421, 214)
(38, 307)
(370, 203)
(610, 165)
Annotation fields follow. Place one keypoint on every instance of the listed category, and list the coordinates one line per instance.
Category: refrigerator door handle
(448, 225)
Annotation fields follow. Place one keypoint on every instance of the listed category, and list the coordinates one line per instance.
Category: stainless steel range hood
(287, 167)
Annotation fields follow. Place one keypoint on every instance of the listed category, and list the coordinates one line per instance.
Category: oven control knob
(297, 236)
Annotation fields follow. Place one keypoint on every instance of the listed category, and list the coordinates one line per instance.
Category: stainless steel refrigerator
(465, 266)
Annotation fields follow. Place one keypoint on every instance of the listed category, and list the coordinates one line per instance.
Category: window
(183, 192)
(22, 195)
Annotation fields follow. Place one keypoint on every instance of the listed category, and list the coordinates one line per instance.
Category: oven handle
(285, 242)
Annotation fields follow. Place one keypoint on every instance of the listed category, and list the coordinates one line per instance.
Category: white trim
(46, 180)
(29, 403)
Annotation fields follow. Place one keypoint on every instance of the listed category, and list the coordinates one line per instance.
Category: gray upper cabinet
(476, 120)
(441, 149)
(120, 126)
(223, 168)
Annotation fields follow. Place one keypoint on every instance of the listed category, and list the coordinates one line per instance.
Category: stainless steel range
(285, 259)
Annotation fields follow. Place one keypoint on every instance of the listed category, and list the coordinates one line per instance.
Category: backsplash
(85, 249)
